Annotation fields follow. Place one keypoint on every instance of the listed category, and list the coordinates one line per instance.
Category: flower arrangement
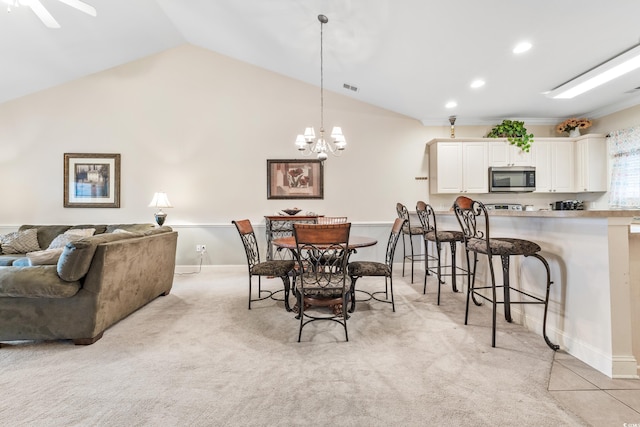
(571, 124)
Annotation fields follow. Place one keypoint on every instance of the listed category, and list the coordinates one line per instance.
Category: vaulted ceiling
(408, 56)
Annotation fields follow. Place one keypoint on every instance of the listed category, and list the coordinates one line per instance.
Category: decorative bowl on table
(291, 211)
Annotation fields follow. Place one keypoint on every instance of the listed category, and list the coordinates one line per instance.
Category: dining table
(355, 242)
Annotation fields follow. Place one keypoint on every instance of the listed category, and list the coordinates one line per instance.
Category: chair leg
(505, 288)
(412, 255)
(469, 284)
(300, 312)
(439, 270)
(250, 280)
(454, 285)
(393, 304)
(352, 308)
(494, 302)
(345, 316)
(551, 345)
(287, 290)
(404, 253)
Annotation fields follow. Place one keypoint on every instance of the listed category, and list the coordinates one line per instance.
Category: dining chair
(274, 268)
(409, 231)
(433, 235)
(322, 253)
(332, 219)
(358, 269)
(473, 218)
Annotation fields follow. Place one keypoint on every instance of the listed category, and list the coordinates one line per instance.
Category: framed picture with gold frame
(91, 180)
(295, 179)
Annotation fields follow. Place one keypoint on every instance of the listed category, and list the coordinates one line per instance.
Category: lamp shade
(160, 200)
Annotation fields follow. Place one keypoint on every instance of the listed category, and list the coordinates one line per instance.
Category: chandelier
(308, 144)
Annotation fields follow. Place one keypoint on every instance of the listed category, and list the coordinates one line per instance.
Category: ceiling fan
(44, 15)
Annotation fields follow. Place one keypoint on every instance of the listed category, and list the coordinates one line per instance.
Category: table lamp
(160, 200)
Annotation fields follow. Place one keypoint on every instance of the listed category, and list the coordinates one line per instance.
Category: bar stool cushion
(368, 268)
(276, 268)
(445, 236)
(412, 230)
(504, 246)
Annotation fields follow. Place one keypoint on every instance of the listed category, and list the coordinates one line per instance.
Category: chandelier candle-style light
(307, 143)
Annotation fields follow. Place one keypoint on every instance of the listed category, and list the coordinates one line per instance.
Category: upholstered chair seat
(504, 246)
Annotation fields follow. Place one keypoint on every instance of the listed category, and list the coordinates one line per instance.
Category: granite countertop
(546, 213)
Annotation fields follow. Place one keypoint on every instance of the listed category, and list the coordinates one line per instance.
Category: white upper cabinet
(503, 153)
(458, 167)
(554, 165)
(591, 164)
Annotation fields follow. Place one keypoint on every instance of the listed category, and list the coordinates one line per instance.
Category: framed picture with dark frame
(295, 179)
(91, 180)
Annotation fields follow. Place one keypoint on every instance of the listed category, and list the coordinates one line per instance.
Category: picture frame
(295, 179)
(91, 180)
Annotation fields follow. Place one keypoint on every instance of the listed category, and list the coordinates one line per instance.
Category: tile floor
(598, 399)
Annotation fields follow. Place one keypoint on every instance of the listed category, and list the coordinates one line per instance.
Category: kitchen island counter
(594, 256)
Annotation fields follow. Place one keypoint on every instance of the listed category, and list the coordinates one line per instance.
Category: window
(624, 153)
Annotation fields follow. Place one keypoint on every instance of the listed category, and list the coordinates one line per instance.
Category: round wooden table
(355, 242)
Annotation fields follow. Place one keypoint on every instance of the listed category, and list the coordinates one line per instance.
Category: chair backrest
(245, 229)
(427, 217)
(332, 219)
(473, 219)
(322, 254)
(396, 230)
(403, 213)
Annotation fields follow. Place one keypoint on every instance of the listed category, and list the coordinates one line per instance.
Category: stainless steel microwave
(512, 179)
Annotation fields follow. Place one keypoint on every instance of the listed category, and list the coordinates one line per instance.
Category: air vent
(350, 87)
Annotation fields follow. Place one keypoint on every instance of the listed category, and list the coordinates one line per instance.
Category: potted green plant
(515, 132)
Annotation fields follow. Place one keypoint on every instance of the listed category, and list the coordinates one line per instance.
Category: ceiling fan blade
(41, 13)
(81, 6)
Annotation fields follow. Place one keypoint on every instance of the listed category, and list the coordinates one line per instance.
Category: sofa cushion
(40, 281)
(46, 233)
(45, 257)
(76, 257)
(130, 227)
(70, 235)
(20, 242)
(7, 260)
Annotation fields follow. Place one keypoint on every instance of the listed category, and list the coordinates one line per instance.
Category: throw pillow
(20, 242)
(69, 236)
(45, 257)
(84, 232)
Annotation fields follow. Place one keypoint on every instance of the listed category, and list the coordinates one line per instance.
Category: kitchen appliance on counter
(503, 206)
(567, 205)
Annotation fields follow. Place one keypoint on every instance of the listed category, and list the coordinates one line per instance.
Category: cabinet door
(498, 153)
(520, 158)
(448, 167)
(591, 166)
(542, 162)
(475, 169)
(503, 153)
(562, 167)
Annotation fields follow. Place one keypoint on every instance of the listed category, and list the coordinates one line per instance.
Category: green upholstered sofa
(96, 282)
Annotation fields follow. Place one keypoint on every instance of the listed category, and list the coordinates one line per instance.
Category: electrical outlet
(201, 248)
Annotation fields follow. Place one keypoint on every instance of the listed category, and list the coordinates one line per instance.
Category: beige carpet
(198, 357)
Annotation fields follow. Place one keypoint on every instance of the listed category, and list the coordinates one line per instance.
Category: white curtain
(624, 152)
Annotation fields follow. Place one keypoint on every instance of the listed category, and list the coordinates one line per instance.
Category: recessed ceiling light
(477, 83)
(522, 47)
(451, 104)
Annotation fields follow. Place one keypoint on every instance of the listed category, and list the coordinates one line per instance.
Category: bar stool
(410, 231)
(427, 217)
(471, 214)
